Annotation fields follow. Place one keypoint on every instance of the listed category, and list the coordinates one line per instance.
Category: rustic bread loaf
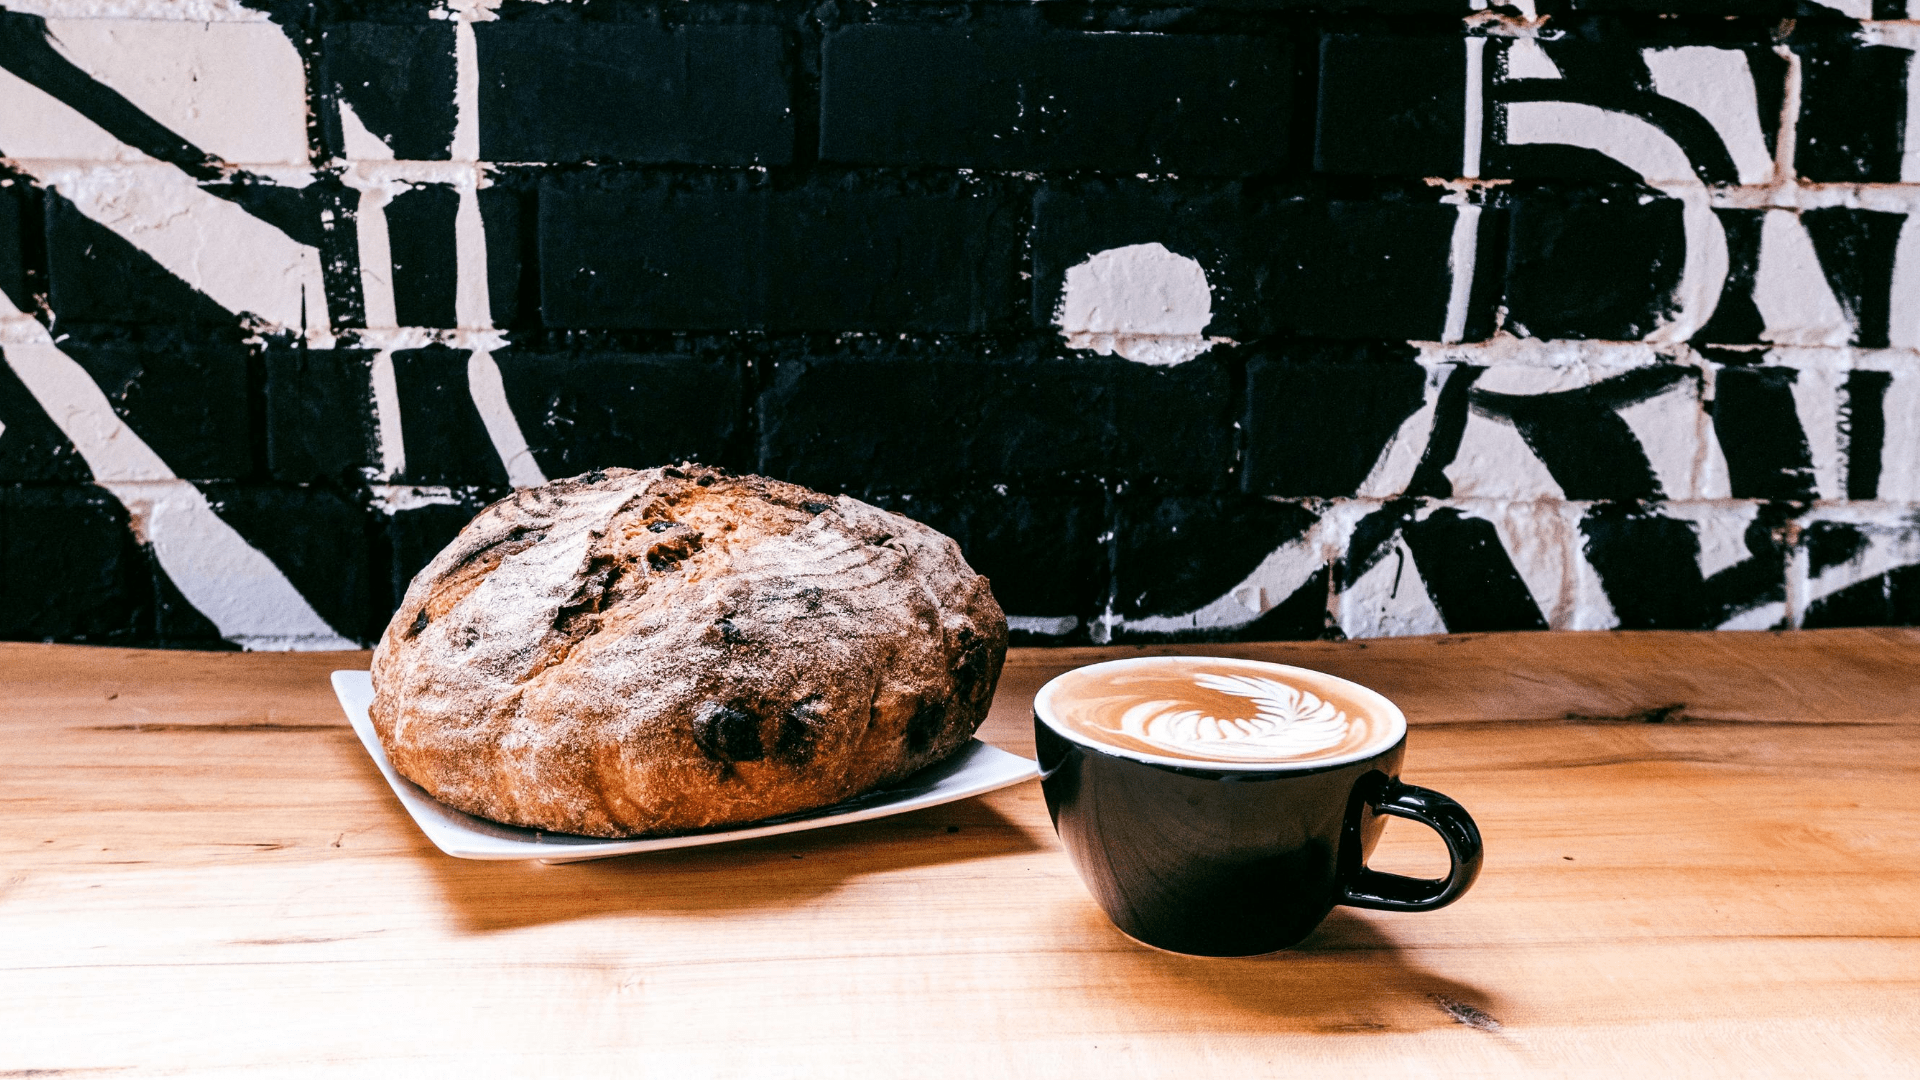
(629, 653)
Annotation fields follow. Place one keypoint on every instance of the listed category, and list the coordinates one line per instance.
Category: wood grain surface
(1703, 858)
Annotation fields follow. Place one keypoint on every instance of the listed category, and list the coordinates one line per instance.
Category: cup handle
(1366, 888)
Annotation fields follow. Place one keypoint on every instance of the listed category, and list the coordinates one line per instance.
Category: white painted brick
(1900, 453)
(1721, 528)
(1816, 399)
(1544, 542)
(1676, 432)
(1791, 291)
(234, 89)
(35, 125)
(1494, 462)
(1389, 600)
(1717, 84)
(1507, 351)
(191, 11)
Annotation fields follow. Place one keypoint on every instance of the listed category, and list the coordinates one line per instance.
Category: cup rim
(1386, 709)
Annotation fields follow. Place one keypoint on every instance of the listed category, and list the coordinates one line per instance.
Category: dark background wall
(1576, 314)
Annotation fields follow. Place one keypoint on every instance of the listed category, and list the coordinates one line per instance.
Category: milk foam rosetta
(1218, 711)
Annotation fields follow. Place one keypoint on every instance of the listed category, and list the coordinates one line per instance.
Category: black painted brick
(13, 267)
(1650, 566)
(446, 441)
(886, 423)
(582, 411)
(1830, 543)
(1018, 99)
(505, 221)
(1857, 250)
(1864, 603)
(1318, 419)
(1736, 318)
(399, 79)
(1890, 599)
(703, 94)
(325, 558)
(1863, 430)
(1593, 265)
(1155, 571)
(425, 269)
(186, 399)
(1468, 574)
(1045, 555)
(1355, 269)
(1852, 112)
(1391, 106)
(319, 410)
(70, 569)
(97, 276)
(1758, 428)
(617, 253)
(295, 211)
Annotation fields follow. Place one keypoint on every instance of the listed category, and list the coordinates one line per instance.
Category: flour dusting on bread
(631, 653)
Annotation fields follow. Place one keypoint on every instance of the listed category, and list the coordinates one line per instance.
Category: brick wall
(1217, 319)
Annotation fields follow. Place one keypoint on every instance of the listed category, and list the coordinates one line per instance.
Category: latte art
(1215, 709)
(1288, 722)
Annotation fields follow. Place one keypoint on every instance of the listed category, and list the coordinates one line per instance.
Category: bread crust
(634, 653)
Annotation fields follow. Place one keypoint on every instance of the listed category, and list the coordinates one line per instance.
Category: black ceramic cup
(1233, 858)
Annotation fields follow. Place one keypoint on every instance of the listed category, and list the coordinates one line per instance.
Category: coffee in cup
(1205, 709)
(1222, 806)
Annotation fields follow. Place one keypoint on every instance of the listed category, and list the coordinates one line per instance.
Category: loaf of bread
(633, 653)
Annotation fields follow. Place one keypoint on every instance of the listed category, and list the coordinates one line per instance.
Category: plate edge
(1030, 771)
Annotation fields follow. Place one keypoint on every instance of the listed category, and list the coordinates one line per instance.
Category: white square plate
(975, 770)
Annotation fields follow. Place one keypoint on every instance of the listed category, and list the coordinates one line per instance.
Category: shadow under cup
(1237, 859)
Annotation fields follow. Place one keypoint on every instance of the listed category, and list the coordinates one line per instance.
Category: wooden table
(1703, 852)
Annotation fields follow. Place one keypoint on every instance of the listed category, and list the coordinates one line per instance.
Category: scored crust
(631, 653)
